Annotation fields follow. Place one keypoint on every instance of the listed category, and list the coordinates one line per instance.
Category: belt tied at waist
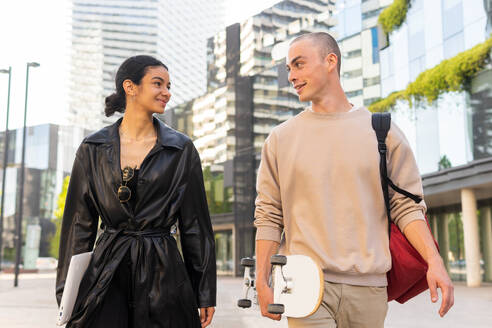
(138, 233)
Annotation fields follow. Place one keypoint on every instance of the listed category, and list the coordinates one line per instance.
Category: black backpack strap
(415, 198)
(381, 123)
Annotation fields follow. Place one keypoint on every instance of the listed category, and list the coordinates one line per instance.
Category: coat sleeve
(79, 223)
(197, 238)
(404, 172)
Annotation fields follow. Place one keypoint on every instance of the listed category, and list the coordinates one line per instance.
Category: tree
(55, 241)
(444, 163)
(218, 196)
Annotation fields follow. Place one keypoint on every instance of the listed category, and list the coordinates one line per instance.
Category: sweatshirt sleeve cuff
(268, 233)
(409, 217)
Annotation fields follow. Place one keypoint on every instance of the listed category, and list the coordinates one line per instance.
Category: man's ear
(332, 61)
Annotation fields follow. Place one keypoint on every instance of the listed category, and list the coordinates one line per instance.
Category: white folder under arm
(76, 270)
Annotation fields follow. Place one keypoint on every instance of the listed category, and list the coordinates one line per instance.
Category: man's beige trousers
(347, 306)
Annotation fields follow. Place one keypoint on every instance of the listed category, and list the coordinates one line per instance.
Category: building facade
(358, 39)
(50, 152)
(105, 33)
(450, 137)
(247, 95)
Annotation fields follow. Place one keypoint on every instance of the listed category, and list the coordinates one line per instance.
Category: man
(319, 184)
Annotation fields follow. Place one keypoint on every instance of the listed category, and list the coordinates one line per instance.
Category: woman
(140, 177)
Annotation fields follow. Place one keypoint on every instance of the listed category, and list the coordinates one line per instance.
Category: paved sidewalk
(473, 308)
(32, 305)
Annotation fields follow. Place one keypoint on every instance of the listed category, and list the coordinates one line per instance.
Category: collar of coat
(166, 136)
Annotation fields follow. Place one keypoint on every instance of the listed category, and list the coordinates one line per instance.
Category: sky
(39, 31)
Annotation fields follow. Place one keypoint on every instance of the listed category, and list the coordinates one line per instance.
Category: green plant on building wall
(454, 74)
(394, 15)
(55, 241)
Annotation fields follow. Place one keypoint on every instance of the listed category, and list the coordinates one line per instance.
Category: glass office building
(451, 138)
(106, 32)
(248, 94)
(50, 151)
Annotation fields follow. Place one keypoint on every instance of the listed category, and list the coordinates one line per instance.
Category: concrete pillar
(443, 237)
(434, 227)
(486, 229)
(471, 237)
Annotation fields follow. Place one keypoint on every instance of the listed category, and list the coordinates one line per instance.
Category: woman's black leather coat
(166, 291)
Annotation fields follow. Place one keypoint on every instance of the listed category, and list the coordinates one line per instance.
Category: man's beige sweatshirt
(319, 183)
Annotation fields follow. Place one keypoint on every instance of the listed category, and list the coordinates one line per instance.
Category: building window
(375, 47)
(371, 13)
(352, 74)
(481, 105)
(452, 27)
(369, 101)
(352, 54)
(350, 20)
(370, 81)
(223, 252)
(355, 93)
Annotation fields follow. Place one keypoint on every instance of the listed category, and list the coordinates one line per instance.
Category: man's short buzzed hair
(326, 44)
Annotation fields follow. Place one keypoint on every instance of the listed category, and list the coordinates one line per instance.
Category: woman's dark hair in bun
(133, 69)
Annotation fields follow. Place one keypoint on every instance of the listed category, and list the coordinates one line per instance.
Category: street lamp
(9, 72)
(21, 197)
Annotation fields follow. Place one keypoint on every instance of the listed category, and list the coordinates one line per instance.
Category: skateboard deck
(297, 283)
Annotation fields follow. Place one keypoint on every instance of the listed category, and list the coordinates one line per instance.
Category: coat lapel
(109, 138)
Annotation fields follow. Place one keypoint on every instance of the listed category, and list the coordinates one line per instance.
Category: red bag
(408, 275)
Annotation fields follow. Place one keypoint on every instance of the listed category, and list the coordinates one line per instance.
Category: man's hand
(265, 297)
(437, 277)
(419, 235)
(264, 250)
(206, 315)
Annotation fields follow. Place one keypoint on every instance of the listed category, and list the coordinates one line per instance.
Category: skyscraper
(247, 95)
(105, 33)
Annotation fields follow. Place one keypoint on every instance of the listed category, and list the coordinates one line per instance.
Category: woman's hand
(206, 315)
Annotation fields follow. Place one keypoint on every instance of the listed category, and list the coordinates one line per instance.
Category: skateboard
(297, 283)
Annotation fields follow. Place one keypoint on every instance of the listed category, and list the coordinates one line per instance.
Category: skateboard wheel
(276, 308)
(278, 260)
(247, 262)
(244, 303)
